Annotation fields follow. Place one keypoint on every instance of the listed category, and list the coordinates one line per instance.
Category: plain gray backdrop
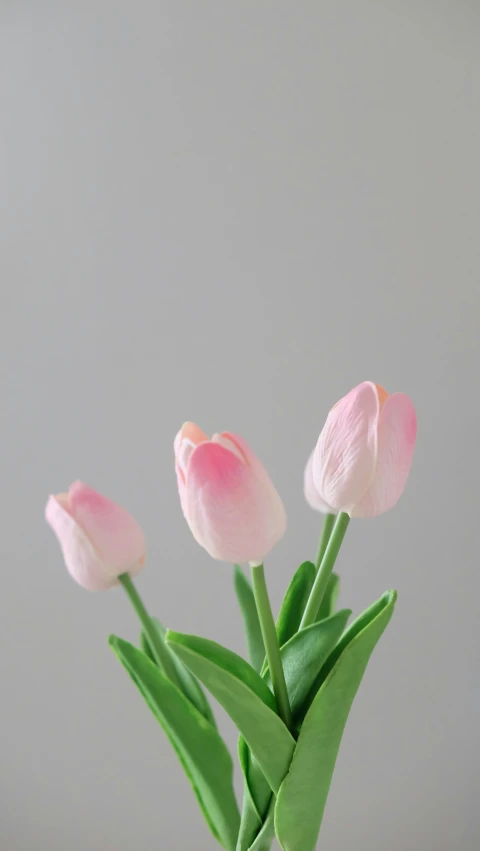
(233, 212)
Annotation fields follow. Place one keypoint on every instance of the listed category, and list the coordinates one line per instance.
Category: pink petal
(226, 441)
(232, 513)
(182, 489)
(242, 447)
(311, 494)
(248, 455)
(189, 436)
(345, 455)
(83, 562)
(397, 431)
(115, 534)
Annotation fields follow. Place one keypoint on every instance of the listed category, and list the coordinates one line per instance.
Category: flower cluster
(290, 702)
(359, 466)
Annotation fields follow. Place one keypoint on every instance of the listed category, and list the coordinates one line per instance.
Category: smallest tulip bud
(99, 539)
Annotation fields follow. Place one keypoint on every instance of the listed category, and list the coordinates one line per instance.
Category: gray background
(232, 213)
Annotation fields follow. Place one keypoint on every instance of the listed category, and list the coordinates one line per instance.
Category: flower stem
(325, 570)
(328, 524)
(160, 652)
(272, 647)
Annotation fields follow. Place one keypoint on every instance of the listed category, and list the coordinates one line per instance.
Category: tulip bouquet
(291, 700)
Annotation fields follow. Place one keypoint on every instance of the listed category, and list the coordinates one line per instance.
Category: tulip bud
(99, 539)
(227, 497)
(364, 453)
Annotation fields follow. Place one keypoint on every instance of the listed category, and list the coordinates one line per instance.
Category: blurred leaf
(246, 698)
(246, 600)
(294, 602)
(201, 751)
(190, 685)
(301, 801)
(329, 602)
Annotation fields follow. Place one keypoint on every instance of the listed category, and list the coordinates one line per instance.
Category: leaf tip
(171, 637)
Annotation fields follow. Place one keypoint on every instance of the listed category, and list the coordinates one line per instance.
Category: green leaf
(294, 602)
(257, 798)
(250, 822)
(330, 598)
(265, 837)
(246, 600)
(226, 660)
(190, 685)
(305, 654)
(303, 794)
(302, 658)
(200, 749)
(256, 834)
(246, 698)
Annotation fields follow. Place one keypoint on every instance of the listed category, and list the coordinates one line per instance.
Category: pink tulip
(227, 497)
(364, 453)
(99, 539)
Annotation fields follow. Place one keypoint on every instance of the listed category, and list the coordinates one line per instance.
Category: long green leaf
(264, 839)
(250, 822)
(190, 685)
(294, 602)
(256, 799)
(301, 801)
(255, 832)
(200, 749)
(223, 658)
(329, 602)
(302, 658)
(246, 698)
(305, 654)
(253, 632)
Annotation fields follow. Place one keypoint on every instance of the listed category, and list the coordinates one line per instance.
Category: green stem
(160, 652)
(328, 524)
(325, 570)
(272, 647)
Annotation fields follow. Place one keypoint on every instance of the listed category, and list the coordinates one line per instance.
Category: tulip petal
(397, 430)
(234, 514)
(82, 560)
(312, 496)
(345, 455)
(189, 436)
(117, 536)
(182, 490)
(226, 441)
(250, 458)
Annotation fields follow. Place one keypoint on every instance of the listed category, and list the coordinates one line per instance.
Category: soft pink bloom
(364, 453)
(99, 539)
(227, 497)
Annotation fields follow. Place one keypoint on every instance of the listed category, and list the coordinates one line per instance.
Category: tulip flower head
(227, 497)
(363, 456)
(99, 539)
